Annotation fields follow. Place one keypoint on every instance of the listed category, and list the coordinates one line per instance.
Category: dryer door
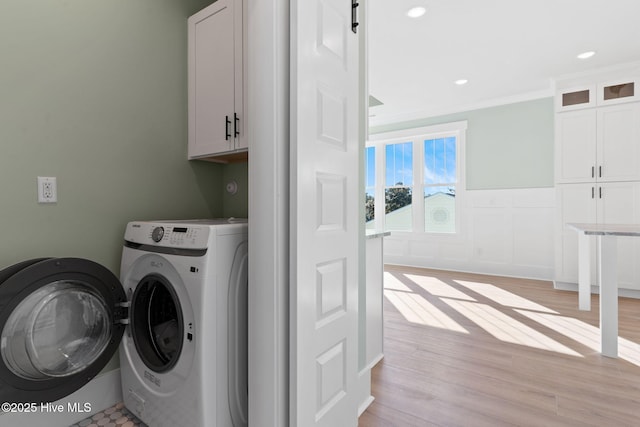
(59, 326)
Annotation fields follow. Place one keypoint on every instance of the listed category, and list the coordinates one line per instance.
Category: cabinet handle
(593, 192)
(354, 17)
(227, 122)
(593, 171)
(236, 119)
(600, 191)
(599, 171)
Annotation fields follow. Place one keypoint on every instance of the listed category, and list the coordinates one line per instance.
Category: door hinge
(121, 313)
(354, 16)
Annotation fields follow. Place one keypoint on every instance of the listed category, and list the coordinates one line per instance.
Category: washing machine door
(60, 323)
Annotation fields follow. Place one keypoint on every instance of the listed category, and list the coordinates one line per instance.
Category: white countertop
(372, 234)
(592, 229)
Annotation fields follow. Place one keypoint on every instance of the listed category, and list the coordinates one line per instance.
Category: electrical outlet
(47, 189)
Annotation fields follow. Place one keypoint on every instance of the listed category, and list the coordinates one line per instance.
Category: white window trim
(417, 136)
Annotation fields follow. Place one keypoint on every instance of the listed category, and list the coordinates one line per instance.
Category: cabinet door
(619, 203)
(239, 72)
(576, 203)
(617, 92)
(619, 143)
(576, 98)
(575, 146)
(211, 80)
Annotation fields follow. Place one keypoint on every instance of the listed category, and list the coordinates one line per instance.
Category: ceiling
(508, 50)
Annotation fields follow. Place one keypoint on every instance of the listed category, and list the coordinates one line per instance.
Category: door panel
(324, 214)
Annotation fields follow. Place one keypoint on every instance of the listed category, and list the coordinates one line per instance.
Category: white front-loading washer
(184, 354)
(180, 307)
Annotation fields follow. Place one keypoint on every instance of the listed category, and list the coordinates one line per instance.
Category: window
(440, 180)
(419, 175)
(370, 186)
(398, 211)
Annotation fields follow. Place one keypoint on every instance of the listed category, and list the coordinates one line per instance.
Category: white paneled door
(324, 214)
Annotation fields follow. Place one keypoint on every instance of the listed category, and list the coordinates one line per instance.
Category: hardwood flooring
(471, 350)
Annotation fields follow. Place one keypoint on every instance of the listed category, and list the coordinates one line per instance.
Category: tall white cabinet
(216, 82)
(597, 168)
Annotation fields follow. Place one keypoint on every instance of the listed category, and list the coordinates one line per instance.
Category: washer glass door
(57, 331)
(157, 323)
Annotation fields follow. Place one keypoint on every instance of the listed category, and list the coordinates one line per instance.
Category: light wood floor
(472, 350)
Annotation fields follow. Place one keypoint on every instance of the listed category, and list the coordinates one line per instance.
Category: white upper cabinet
(216, 95)
(618, 143)
(575, 146)
(576, 98)
(598, 144)
(617, 92)
(597, 94)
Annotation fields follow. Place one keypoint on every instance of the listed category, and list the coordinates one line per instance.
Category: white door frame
(268, 133)
(268, 38)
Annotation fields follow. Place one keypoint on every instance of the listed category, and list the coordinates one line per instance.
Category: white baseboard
(364, 390)
(364, 405)
(622, 292)
(100, 393)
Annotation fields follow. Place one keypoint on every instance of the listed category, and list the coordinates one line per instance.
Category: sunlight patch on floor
(392, 282)
(506, 328)
(418, 310)
(496, 321)
(437, 287)
(503, 297)
(584, 333)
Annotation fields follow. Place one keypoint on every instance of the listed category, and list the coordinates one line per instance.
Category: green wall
(236, 205)
(94, 92)
(509, 146)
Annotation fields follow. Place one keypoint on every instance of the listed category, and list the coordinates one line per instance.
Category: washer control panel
(157, 234)
(168, 235)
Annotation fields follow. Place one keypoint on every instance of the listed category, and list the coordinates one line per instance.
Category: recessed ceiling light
(461, 82)
(585, 55)
(416, 12)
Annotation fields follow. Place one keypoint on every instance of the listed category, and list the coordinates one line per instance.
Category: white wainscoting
(102, 392)
(503, 232)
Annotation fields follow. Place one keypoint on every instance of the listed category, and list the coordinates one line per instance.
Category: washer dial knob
(157, 233)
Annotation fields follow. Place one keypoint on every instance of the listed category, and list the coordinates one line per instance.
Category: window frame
(418, 136)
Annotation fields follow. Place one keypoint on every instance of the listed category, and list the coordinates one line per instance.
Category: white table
(607, 235)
